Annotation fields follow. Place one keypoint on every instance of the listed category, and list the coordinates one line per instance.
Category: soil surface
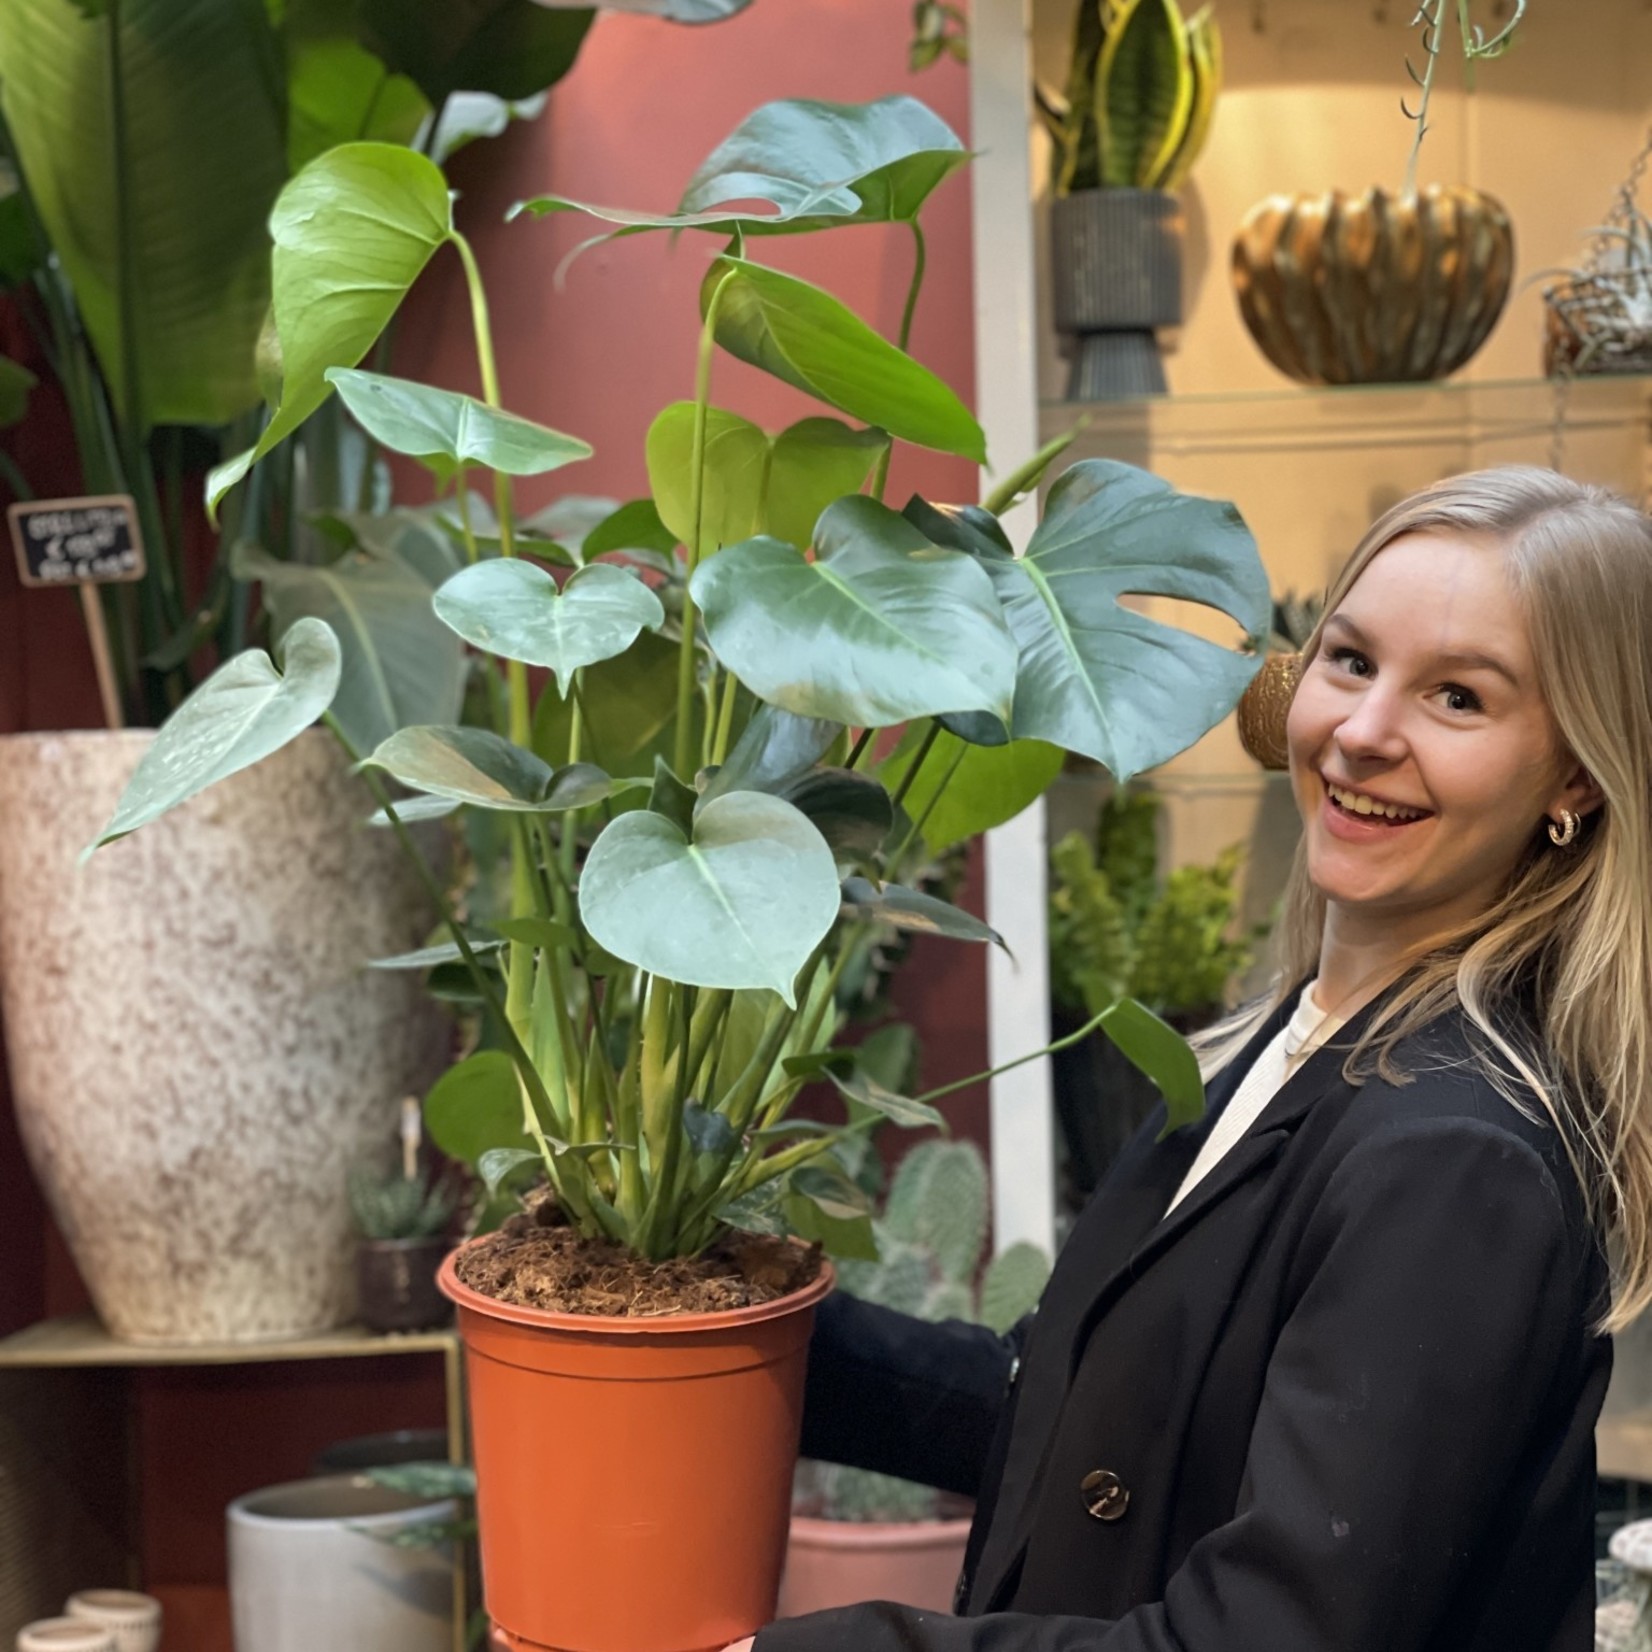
(534, 1261)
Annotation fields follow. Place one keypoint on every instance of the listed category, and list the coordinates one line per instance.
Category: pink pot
(839, 1562)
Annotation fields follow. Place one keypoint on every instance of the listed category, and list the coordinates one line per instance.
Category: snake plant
(1141, 92)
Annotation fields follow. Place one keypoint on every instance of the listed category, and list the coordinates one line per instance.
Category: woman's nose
(1373, 730)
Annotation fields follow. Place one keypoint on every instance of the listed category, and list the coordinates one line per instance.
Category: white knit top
(1308, 1028)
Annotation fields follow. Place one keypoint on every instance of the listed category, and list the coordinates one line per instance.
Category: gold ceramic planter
(1373, 288)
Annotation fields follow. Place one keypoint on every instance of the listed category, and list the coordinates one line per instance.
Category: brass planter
(1374, 288)
(1263, 708)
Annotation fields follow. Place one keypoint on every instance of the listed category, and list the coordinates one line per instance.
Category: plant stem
(931, 735)
(461, 497)
(915, 830)
(861, 746)
(1431, 47)
(920, 260)
(1020, 1061)
(683, 747)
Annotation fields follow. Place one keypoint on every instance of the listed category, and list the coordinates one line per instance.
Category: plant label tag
(77, 541)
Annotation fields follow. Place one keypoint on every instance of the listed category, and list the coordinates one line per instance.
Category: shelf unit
(69, 1491)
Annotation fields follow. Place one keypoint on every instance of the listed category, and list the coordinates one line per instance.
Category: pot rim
(879, 1534)
(542, 1319)
(414, 1513)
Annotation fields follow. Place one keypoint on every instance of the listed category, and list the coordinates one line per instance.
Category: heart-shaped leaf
(911, 909)
(352, 232)
(630, 699)
(736, 475)
(672, 798)
(512, 608)
(880, 627)
(826, 1206)
(498, 1162)
(741, 904)
(243, 712)
(1099, 678)
(475, 766)
(1157, 1049)
(851, 811)
(635, 526)
(964, 789)
(806, 338)
(812, 463)
(339, 92)
(476, 1106)
(447, 432)
(813, 164)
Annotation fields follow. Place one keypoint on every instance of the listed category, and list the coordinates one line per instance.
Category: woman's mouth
(1362, 811)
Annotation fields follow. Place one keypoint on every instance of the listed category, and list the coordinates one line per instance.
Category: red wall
(598, 358)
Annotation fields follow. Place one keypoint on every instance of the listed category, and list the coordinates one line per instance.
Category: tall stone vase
(197, 1051)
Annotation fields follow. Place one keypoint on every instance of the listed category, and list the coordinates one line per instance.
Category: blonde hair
(1566, 948)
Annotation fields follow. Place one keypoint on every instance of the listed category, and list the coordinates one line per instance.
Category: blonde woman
(1321, 1373)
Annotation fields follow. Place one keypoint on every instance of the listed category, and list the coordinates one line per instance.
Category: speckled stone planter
(196, 1050)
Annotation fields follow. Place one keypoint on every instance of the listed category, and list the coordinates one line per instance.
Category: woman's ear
(1580, 794)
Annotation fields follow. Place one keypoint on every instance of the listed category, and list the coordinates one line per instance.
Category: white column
(1006, 388)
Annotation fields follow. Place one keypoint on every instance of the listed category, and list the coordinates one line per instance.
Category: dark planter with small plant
(1140, 95)
(402, 1235)
(1116, 926)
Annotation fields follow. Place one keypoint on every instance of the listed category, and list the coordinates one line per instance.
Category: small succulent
(939, 30)
(400, 1207)
(930, 1238)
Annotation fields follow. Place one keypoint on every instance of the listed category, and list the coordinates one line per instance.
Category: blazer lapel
(1134, 1234)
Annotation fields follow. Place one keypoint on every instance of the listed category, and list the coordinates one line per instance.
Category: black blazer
(1341, 1400)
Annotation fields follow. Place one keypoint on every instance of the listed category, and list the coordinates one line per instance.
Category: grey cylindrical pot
(396, 1284)
(196, 1047)
(315, 1565)
(1116, 266)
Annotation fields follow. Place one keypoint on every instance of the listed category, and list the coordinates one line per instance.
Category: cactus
(930, 1238)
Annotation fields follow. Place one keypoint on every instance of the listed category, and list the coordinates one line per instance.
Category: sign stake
(92, 606)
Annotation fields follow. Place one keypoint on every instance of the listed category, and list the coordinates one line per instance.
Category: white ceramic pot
(64, 1635)
(197, 1050)
(311, 1567)
(133, 1621)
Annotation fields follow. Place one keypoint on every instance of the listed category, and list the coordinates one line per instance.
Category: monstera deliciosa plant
(733, 716)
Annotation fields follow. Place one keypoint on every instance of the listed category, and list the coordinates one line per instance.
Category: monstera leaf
(812, 164)
(1094, 676)
(740, 903)
(475, 766)
(879, 627)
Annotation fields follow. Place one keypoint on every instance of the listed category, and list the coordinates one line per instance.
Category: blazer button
(1106, 1497)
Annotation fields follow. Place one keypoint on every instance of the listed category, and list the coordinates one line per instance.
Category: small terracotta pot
(396, 1287)
(843, 1562)
(633, 1476)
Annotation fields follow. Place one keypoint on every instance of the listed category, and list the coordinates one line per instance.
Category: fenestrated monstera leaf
(814, 164)
(352, 232)
(1096, 677)
(741, 904)
(513, 609)
(881, 627)
(448, 432)
(475, 766)
(243, 712)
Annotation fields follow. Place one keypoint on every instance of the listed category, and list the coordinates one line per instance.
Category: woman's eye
(1458, 698)
(1351, 661)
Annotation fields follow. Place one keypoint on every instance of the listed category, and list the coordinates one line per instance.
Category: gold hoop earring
(1563, 834)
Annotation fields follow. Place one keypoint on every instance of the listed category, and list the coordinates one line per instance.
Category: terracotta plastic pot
(843, 1562)
(633, 1476)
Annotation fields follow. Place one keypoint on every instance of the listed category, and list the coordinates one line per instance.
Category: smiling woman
(1378, 1266)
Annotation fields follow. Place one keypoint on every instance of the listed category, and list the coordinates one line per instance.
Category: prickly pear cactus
(901, 1278)
(938, 1202)
(1012, 1286)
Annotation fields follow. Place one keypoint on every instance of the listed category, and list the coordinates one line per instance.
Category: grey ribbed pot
(196, 1049)
(1116, 266)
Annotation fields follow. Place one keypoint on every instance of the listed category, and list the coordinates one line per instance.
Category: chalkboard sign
(76, 541)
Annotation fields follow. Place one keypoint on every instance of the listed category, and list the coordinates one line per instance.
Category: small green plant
(1476, 45)
(1117, 930)
(1141, 94)
(930, 1238)
(400, 1207)
(938, 30)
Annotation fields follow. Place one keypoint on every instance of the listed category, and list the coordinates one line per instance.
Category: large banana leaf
(165, 194)
(1144, 93)
(814, 164)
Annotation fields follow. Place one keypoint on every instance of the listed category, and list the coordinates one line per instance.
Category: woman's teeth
(1357, 803)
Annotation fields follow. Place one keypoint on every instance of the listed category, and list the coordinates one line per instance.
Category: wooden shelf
(83, 1341)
